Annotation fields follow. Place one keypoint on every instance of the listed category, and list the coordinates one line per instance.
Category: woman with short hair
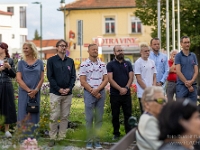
(147, 134)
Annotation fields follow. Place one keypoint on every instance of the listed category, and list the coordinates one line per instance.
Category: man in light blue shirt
(160, 60)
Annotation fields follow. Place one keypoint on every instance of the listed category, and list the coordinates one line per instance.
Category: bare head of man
(185, 43)
(93, 50)
(155, 44)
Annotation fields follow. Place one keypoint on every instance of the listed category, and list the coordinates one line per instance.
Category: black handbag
(32, 106)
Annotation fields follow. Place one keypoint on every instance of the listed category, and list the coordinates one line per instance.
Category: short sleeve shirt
(120, 73)
(187, 64)
(146, 68)
(94, 72)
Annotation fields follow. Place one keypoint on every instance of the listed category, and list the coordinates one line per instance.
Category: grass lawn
(77, 115)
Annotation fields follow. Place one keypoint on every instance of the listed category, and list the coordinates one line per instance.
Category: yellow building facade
(114, 26)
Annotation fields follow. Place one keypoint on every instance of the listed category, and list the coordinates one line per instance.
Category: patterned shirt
(162, 66)
(94, 72)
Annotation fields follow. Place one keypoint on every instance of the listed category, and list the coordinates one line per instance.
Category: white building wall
(10, 28)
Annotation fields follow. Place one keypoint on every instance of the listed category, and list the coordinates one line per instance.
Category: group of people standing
(172, 125)
(151, 69)
(177, 75)
(29, 75)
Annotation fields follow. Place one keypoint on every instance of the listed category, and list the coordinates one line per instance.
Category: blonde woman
(30, 76)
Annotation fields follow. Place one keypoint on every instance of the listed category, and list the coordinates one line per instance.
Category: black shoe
(115, 137)
(51, 143)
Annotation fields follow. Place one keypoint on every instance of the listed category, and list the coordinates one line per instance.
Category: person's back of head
(170, 118)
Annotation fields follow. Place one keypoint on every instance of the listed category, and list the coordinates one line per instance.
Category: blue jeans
(94, 109)
(183, 92)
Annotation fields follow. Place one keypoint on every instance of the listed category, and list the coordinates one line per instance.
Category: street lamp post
(100, 42)
(40, 27)
(62, 5)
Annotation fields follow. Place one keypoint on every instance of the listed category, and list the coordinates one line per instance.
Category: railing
(129, 139)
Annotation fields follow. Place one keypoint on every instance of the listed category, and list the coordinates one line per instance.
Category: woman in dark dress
(7, 105)
(30, 76)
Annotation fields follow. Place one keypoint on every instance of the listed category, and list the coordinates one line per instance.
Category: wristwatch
(161, 82)
(127, 88)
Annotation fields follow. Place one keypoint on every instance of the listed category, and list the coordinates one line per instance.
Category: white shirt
(146, 68)
(94, 72)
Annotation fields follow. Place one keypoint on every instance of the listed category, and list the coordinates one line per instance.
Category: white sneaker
(8, 134)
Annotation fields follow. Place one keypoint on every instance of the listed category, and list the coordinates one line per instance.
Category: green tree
(189, 18)
(36, 35)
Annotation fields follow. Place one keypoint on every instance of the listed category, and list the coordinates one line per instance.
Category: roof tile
(95, 4)
(45, 43)
(5, 13)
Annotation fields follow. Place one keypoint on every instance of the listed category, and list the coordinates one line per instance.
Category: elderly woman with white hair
(171, 79)
(147, 133)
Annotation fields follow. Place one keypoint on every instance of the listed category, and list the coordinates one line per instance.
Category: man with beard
(120, 76)
(145, 72)
(93, 77)
(61, 74)
(187, 72)
(160, 60)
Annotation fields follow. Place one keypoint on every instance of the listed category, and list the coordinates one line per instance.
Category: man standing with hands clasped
(187, 71)
(61, 75)
(120, 76)
(93, 77)
(160, 60)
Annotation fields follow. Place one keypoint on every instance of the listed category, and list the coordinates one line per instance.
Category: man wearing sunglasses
(120, 76)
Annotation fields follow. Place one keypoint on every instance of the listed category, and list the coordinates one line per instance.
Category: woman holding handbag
(30, 76)
(7, 105)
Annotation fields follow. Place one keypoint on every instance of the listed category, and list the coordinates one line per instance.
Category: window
(22, 17)
(136, 25)
(109, 25)
(10, 9)
(22, 39)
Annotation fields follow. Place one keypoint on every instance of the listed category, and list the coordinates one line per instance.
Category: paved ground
(6, 144)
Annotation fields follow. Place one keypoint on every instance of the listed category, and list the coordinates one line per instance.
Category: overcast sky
(52, 20)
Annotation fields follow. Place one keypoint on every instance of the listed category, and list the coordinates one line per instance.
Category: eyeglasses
(160, 101)
(119, 50)
(147, 51)
(63, 46)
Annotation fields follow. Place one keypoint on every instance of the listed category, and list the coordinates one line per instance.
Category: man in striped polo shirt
(93, 77)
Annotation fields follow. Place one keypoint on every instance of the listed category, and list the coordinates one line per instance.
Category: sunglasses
(160, 100)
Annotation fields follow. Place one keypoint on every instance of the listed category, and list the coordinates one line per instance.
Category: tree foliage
(189, 18)
(36, 35)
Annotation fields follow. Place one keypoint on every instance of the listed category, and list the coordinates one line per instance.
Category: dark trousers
(123, 101)
(141, 108)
